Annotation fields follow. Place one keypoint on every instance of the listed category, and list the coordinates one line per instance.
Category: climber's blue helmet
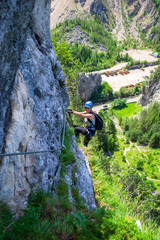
(89, 104)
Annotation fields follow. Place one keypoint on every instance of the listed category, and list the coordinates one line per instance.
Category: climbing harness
(44, 151)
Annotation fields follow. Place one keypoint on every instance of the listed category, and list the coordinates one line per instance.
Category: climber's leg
(81, 130)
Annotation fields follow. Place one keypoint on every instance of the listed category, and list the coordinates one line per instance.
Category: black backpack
(98, 122)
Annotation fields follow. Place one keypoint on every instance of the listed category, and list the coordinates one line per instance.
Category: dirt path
(153, 179)
(126, 150)
(118, 127)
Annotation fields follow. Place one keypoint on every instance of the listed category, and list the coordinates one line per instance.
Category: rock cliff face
(143, 13)
(99, 9)
(83, 177)
(87, 84)
(151, 92)
(33, 100)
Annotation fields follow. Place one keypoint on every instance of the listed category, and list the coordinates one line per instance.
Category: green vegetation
(128, 91)
(141, 158)
(129, 110)
(68, 63)
(129, 43)
(156, 40)
(133, 62)
(114, 179)
(106, 138)
(146, 128)
(124, 192)
(145, 160)
(157, 3)
(125, 21)
(55, 217)
(91, 27)
(51, 218)
(48, 218)
(67, 156)
(93, 60)
(80, 57)
(119, 103)
(104, 92)
(122, 196)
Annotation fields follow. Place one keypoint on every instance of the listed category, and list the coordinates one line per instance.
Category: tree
(120, 103)
(155, 140)
(107, 137)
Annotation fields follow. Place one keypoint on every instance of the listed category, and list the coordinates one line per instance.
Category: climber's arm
(83, 115)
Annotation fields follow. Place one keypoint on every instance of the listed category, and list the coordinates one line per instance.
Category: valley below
(134, 76)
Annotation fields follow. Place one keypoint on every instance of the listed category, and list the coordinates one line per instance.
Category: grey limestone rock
(151, 92)
(98, 8)
(83, 177)
(33, 100)
(88, 82)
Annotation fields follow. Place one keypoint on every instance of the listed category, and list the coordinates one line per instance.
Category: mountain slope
(124, 18)
(65, 9)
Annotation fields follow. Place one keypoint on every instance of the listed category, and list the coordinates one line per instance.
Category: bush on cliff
(104, 92)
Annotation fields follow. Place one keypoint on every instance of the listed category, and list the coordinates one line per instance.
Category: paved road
(129, 100)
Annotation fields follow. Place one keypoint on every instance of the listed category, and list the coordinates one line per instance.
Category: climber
(90, 130)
